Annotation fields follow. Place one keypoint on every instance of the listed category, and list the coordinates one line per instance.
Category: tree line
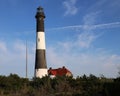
(13, 85)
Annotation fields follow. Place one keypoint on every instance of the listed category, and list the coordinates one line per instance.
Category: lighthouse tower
(40, 59)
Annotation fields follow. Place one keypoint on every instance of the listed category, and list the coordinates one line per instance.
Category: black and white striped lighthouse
(40, 59)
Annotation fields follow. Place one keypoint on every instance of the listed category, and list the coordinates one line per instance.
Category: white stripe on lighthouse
(41, 73)
(40, 40)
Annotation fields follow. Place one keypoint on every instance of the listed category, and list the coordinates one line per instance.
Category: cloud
(79, 54)
(94, 26)
(108, 8)
(85, 39)
(70, 7)
(95, 62)
(3, 47)
(86, 33)
(107, 25)
(97, 5)
(90, 19)
(13, 58)
(53, 57)
(19, 46)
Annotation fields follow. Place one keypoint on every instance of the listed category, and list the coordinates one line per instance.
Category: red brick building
(59, 72)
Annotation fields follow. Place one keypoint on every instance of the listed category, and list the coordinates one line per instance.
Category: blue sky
(82, 35)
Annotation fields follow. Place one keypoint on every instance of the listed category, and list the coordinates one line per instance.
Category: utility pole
(26, 60)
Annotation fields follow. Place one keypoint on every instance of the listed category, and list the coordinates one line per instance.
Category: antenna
(26, 59)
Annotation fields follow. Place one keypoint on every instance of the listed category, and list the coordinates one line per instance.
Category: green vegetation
(91, 85)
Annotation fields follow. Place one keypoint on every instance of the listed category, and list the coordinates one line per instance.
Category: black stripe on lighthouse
(40, 19)
(40, 59)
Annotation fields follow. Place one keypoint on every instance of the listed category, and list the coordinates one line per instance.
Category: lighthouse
(40, 56)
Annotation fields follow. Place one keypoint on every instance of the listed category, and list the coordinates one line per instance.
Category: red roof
(59, 71)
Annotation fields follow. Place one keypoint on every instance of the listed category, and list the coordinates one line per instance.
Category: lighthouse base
(39, 73)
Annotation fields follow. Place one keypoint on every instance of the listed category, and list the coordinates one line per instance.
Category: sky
(82, 35)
